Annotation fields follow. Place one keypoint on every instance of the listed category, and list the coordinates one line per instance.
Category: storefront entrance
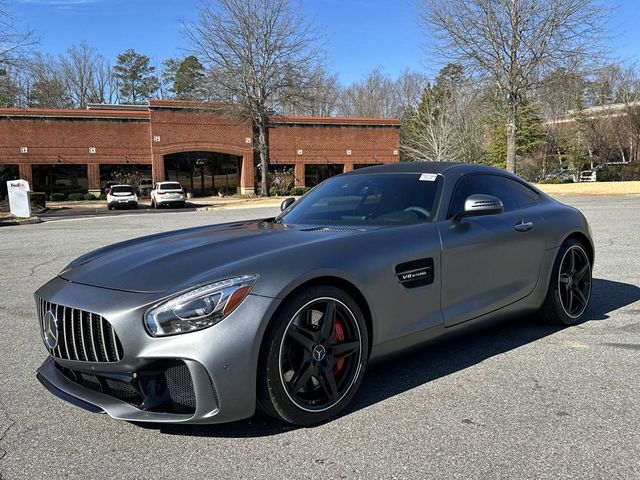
(204, 173)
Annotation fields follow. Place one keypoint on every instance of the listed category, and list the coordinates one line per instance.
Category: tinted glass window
(170, 186)
(121, 190)
(514, 195)
(367, 199)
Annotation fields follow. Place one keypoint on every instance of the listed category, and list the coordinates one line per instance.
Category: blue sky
(361, 34)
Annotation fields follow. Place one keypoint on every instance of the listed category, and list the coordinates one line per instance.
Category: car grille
(82, 336)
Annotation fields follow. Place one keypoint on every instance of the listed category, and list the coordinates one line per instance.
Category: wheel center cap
(319, 353)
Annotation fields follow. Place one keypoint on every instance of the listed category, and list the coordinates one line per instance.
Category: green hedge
(75, 197)
(90, 196)
(297, 191)
(57, 197)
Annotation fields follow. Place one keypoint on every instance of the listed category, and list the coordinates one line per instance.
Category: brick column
(348, 167)
(157, 168)
(93, 178)
(299, 173)
(247, 175)
(25, 174)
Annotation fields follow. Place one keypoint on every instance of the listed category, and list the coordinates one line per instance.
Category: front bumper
(221, 360)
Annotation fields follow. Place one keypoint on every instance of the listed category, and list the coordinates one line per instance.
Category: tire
(570, 285)
(308, 370)
(109, 207)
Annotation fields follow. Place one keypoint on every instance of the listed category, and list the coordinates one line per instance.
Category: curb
(19, 221)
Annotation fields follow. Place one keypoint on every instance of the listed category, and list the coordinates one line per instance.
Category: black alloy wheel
(574, 281)
(320, 354)
(316, 357)
(570, 285)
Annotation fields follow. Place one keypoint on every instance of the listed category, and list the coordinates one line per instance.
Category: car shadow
(440, 358)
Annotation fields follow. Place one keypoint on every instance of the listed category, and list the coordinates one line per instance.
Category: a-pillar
(93, 178)
(25, 174)
(247, 175)
(299, 174)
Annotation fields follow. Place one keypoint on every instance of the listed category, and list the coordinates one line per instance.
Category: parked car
(121, 196)
(167, 193)
(589, 175)
(205, 325)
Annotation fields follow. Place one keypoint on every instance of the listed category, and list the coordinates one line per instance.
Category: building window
(60, 178)
(7, 173)
(314, 174)
(108, 174)
(204, 173)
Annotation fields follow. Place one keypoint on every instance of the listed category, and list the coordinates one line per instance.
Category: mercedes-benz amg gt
(203, 325)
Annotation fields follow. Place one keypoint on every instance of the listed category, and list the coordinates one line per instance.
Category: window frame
(506, 177)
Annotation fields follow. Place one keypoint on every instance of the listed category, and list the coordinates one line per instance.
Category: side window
(514, 195)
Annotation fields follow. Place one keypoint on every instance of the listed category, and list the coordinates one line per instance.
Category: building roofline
(280, 119)
(74, 113)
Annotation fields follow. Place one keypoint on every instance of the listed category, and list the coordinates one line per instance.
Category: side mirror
(286, 203)
(480, 205)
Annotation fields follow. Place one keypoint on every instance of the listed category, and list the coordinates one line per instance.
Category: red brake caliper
(338, 332)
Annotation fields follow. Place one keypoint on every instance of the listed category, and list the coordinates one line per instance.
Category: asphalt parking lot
(516, 400)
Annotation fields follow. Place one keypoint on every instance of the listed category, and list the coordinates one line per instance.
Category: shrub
(102, 196)
(297, 191)
(281, 181)
(90, 196)
(38, 199)
(609, 174)
(551, 181)
(75, 197)
(57, 197)
(631, 171)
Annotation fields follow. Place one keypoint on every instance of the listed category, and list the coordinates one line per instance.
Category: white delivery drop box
(18, 191)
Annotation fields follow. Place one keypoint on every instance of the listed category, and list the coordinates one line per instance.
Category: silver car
(203, 325)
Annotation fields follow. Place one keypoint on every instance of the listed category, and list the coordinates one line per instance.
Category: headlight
(200, 308)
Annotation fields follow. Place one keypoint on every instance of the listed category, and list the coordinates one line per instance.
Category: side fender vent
(416, 273)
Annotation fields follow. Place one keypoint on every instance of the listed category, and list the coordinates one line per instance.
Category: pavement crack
(42, 264)
(5, 430)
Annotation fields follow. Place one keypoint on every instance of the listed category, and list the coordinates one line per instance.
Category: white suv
(167, 193)
(121, 196)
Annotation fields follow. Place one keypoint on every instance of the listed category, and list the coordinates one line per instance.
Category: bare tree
(409, 88)
(373, 96)
(78, 69)
(446, 124)
(14, 43)
(47, 87)
(255, 49)
(106, 87)
(515, 42)
(318, 95)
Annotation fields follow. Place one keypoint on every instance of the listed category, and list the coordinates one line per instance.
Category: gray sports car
(203, 325)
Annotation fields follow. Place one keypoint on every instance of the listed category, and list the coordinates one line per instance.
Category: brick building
(79, 150)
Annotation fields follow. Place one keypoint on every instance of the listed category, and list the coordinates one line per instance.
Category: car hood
(174, 261)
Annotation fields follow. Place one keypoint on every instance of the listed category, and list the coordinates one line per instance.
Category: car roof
(426, 167)
(121, 185)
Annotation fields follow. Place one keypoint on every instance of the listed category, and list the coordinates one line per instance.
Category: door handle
(523, 226)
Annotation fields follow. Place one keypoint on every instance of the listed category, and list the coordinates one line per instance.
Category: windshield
(170, 186)
(121, 190)
(368, 199)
